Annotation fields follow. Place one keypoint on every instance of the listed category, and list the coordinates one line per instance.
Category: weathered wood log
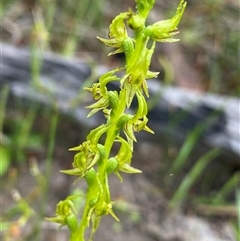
(217, 116)
(176, 112)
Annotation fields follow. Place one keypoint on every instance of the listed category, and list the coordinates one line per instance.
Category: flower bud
(90, 177)
(113, 100)
(122, 120)
(128, 48)
(102, 151)
(112, 165)
(71, 222)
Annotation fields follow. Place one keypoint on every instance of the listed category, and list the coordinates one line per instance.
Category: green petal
(73, 172)
(129, 169)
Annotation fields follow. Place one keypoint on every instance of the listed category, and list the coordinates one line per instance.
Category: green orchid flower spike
(93, 160)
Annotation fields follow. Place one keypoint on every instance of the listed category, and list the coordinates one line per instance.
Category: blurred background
(35, 140)
(206, 59)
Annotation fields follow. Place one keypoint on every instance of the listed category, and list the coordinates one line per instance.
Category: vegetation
(61, 27)
(93, 160)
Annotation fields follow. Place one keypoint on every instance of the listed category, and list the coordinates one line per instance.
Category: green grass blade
(192, 176)
(229, 186)
(51, 143)
(22, 136)
(186, 149)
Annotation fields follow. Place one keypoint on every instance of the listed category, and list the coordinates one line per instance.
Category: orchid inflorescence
(93, 160)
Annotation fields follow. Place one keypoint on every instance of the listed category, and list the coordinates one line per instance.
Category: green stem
(103, 178)
(79, 234)
(112, 132)
(109, 141)
(138, 53)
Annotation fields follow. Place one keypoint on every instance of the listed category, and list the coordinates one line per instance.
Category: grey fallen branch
(175, 112)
